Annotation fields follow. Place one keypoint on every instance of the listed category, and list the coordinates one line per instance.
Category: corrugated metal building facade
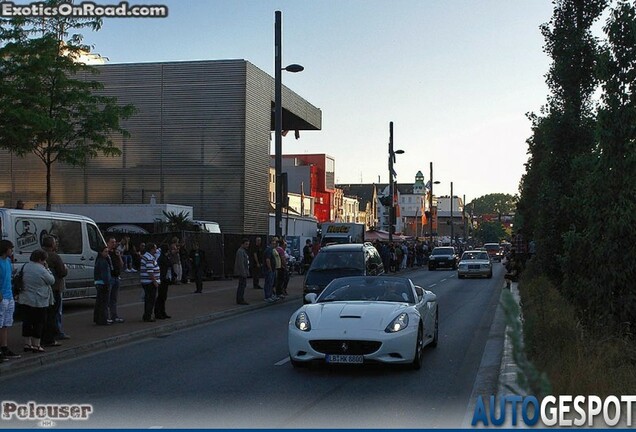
(201, 137)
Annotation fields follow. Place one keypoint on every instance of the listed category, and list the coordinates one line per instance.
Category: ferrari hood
(354, 315)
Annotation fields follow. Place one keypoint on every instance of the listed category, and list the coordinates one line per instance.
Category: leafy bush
(577, 360)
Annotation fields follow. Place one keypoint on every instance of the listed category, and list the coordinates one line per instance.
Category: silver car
(474, 263)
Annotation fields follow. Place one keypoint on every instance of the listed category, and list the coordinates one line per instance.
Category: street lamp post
(278, 119)
(392, 173)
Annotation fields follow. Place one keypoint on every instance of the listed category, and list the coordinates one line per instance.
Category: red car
(495, 252)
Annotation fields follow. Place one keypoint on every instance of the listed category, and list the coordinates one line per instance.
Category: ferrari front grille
(354, 347)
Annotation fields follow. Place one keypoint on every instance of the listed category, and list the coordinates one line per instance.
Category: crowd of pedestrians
(270, 263)
(403, 255)
(38, 286)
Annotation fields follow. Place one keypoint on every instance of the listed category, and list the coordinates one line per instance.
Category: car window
(95, 239)
(338, 260)
(31, 231)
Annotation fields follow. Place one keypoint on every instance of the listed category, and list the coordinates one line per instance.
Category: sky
(456, 77)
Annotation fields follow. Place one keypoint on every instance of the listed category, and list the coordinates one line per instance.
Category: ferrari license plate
(343, 358)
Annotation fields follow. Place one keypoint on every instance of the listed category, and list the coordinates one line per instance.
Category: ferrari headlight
(302, 322)
(399, 323)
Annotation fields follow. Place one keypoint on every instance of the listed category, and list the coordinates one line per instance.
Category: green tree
(495, 203)
(606, 293)
(50, 105)
(490, 232)
(178, 221)
(563, 132)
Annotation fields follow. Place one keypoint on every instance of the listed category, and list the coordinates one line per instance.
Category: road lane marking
(282, 362)
(443, 280)
(431, 286)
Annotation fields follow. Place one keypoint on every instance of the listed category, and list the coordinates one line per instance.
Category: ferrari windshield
(367, 289)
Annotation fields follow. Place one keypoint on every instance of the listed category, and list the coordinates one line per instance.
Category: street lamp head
(294, 68)
(399, 152)
(436, 182)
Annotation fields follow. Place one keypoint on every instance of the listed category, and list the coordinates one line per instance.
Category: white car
(364, 319)
(474, 263)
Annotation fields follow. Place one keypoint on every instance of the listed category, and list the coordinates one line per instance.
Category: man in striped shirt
(149, 275)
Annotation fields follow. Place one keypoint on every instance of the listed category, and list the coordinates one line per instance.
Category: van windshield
(338, 260)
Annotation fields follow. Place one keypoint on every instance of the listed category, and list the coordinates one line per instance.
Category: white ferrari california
(365, 319)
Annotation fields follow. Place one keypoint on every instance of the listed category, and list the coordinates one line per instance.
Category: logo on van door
(27, 233)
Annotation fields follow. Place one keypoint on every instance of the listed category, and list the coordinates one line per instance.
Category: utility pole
(278, 123)
(278, 119)
(391, 161)
(464, 217)
(430, 206)
(451, 216)
(392, 174)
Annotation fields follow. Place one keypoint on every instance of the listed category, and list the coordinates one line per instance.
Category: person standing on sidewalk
(197, 261)
(175, 259)
(270, 271)
(281, 272)
(185, 262)
(102, 275)
(150, 279)
(242, 270)
(36, 299)
(7, 302)
(116, 266)
(162, 296)
(53, 326)
(256, 262)
(308, 255)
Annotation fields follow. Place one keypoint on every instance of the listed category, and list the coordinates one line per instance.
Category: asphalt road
(235, 373)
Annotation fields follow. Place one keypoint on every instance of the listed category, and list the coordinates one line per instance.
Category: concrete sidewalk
(186, 308)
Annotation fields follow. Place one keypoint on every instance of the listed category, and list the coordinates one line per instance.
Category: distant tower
(419, 188)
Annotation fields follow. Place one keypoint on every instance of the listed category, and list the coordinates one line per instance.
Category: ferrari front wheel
(419, 349)
(436, 333)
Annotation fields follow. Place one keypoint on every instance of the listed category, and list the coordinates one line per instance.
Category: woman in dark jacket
(102, 286)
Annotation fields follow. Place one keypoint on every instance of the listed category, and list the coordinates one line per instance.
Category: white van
(207, 226)
(79, 242)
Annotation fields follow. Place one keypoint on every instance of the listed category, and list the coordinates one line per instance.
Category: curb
(509, 368)
(54, 357)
